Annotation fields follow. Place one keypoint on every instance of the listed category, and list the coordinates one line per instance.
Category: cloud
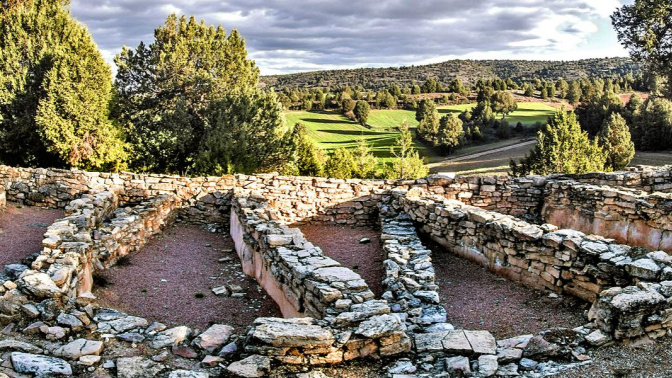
(288, 36)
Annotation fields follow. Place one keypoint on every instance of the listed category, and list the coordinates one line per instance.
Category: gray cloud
(291, 35)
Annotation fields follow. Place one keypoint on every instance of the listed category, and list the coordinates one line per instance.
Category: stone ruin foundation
(602, 237)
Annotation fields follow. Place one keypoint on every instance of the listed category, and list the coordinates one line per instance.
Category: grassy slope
(331, 130)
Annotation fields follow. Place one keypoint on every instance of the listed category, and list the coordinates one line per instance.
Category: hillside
(468, 71)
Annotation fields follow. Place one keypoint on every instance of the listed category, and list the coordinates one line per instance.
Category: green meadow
(331, 129)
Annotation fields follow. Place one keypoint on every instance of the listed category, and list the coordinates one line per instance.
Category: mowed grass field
(331, 130)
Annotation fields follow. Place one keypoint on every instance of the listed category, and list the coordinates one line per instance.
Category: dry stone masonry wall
(337, 318)
(633, 217)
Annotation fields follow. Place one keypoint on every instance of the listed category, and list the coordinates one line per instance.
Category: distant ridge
(469, 71)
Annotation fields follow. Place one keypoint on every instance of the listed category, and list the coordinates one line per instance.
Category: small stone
(528, 365)
(597, 338)
(458, 365)
(364, 240)
(482, 342)
(70, 321)
(88, 360)
(137, 367)
(214, 337)
(184, 351)
(510, 370)
(250, 367)
(221, 291)
(170, 336)
(16, 345)
(211, 361)
(188, 374)
(487, 365)
(228, 349)
(131, 337)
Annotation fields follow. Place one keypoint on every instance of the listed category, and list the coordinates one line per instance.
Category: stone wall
(627, 286)
(646, 178)
(631, 217)
(343, 321)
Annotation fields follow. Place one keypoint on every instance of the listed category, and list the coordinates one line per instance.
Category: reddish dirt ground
(21, 231)
(170, 281)
(342, 244)
(475, 298)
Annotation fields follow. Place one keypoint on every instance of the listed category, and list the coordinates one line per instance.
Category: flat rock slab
(335, 274)
(482, 342)
(122, 324)
(170, 336)
(214, 337)
(287, 333)
(16, 345)
(39, 365)
(79, 348)
(250, 367)
(188, 374)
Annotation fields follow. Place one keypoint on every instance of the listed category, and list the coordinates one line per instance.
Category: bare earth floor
(342, 244)
(475, 298)
(170, 281)
(22, 230)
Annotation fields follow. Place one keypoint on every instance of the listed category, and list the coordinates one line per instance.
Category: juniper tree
(407, 163)
(562, 147)
(55, 90)
(614, 137)
(165, 89)
(361, 112)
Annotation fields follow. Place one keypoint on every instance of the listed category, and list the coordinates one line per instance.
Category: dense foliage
(166, 91)
(645, 29)
(55, 90)
(614, 137)
(562, 147)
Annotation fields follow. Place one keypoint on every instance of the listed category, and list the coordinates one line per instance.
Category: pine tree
(614, 137)
(187, 67)
(428, 127)
(365, 161)
(307, 159)
(562, 147)
(55, 91)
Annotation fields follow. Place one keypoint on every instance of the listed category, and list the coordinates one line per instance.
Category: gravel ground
(22, 229)
(170, 279)
(475, 298)
(342, 244)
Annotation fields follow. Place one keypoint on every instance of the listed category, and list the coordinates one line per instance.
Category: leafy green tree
(362, 112)
(562, 87)
(429, 86)
(341, 164)
(562, 147)
(348, 105)
(407, 163)
(614, 137)
(244, 133)
(424, 108)
(187, 67)
(504, 103)
(528, 90)
(645, 29)
(450, 133)
(55, 91)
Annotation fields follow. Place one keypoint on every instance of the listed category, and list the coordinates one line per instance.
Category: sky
(286, 36)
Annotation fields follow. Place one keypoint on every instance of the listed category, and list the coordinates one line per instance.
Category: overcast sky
(286, 36)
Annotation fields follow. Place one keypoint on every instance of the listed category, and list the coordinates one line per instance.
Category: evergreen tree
(645, 29)
(365, 162)
(188, 66)
(655, 123)
(593, 113)
(308, 159)
(562, 147)
(243, 134)
(614, 137)
(55, 91)
(450, 133)
(362, 112)
(407, 163)
(341, 164)
(428, 127)
(574, 93)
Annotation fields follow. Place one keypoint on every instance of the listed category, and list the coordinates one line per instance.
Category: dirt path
(342, 244)
(482, 153)
(21, 231)
(170, 281)
(478, 299)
